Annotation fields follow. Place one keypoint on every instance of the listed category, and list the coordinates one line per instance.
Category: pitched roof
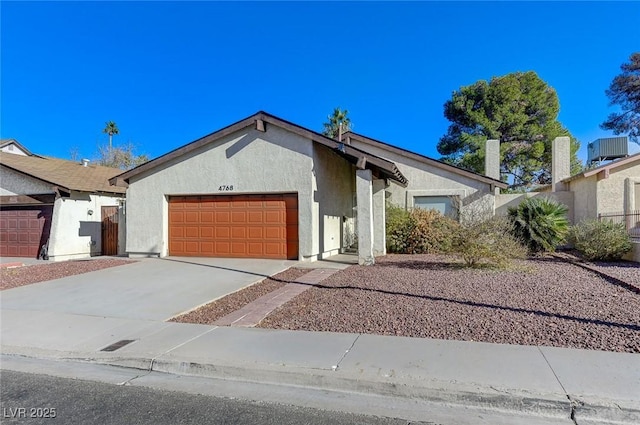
(6, 142)
(424, 159)
(67, 175)
(605, 167)
(361, 158)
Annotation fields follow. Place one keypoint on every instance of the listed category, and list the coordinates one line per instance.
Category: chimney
(85, 162)
(492, 159)
(560, 162)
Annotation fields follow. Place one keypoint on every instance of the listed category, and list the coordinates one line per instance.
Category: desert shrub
(398, 227)
(489, 240)
(418, 231)
(432, 233)
(600, 240)
(540, 223)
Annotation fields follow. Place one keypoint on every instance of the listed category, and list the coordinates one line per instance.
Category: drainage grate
(118, 345)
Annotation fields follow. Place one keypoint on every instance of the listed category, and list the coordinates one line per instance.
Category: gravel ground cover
(213, 311)
(26, 275)
(543, 301)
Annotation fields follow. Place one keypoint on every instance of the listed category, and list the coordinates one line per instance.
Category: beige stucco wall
(74, 232)
(426, 180)
(611, 190)
(509, 200)
(14, 183)
(585, 198)
(275, 161)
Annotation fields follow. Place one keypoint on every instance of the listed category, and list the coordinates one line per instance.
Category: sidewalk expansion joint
(573, 404)
(346, 352)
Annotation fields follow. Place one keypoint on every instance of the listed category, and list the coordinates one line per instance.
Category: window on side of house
(442, 204)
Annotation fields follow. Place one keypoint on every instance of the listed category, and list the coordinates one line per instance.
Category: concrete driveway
(151, 289)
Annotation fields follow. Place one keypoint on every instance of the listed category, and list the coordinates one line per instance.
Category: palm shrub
(540, 223)
(600, 240)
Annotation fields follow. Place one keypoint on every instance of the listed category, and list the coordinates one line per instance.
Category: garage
(236, 226)
(24, 229)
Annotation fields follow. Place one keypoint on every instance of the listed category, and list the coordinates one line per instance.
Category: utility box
(607, 148)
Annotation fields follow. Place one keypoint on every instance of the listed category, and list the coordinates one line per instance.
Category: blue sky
(169, 73)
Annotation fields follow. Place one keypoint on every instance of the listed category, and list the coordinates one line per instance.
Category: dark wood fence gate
(109, 230)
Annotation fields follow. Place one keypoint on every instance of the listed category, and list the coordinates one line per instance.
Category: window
(438, 203)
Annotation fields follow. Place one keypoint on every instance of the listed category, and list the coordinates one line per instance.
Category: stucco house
(13, 146)
(67, 207)
(612, 188)
(268, 188)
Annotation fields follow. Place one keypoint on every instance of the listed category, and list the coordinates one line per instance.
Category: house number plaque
(225, 188)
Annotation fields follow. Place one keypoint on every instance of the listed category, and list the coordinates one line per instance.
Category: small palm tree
(540, 223)
(110, 128)
(338, 118)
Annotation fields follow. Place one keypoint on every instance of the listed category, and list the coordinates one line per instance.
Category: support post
(379, 233)
(364, 199)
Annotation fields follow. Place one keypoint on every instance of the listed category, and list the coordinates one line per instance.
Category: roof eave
(426, 159)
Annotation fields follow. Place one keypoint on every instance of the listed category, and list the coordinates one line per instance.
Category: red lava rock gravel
(543, 301)
(26, 275)
(213, 311)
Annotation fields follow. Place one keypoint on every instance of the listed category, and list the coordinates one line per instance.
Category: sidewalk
(593, 386)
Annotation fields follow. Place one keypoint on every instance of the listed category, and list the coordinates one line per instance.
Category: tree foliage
(122, 157)
(332, 126)
(521, 111)
(624, 91)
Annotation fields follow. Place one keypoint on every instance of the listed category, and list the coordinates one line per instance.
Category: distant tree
(332, 126)
(110, 128)
(624, 91)
(521, 111)
(122, 157)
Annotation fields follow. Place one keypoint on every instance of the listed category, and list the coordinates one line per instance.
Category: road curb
(593, 411)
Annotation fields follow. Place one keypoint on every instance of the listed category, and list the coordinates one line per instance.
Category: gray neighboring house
(264, 187)
(67, 207)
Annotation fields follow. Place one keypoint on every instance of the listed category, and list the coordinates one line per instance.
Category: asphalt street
(40, 399)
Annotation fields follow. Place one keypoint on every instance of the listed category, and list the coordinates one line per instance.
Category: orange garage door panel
(251, 226)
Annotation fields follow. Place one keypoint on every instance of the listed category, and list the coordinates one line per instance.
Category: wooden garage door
(249, 226)
(23, 230)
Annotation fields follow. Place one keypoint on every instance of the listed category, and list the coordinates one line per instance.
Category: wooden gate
(109, 230)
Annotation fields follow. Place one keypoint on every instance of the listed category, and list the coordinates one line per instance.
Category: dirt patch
(544, 301)
(26, 275)
(213, 311)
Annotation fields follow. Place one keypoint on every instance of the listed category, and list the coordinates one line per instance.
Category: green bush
(600, 240)
(540, 223)
(398, 227)
(489, 240)
(418, 231)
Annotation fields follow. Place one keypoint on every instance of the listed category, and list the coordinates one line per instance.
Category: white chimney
(560, 162)
(492, 159)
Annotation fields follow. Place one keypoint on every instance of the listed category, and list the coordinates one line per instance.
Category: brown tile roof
(69, 175)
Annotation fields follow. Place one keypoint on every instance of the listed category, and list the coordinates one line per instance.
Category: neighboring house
(12, 146)
(265, 187)
(612, 188)
(610, 191)
(67, 207)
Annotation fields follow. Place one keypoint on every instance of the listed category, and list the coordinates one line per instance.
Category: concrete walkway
(593, 386)
(565, 386)
(253, 313)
